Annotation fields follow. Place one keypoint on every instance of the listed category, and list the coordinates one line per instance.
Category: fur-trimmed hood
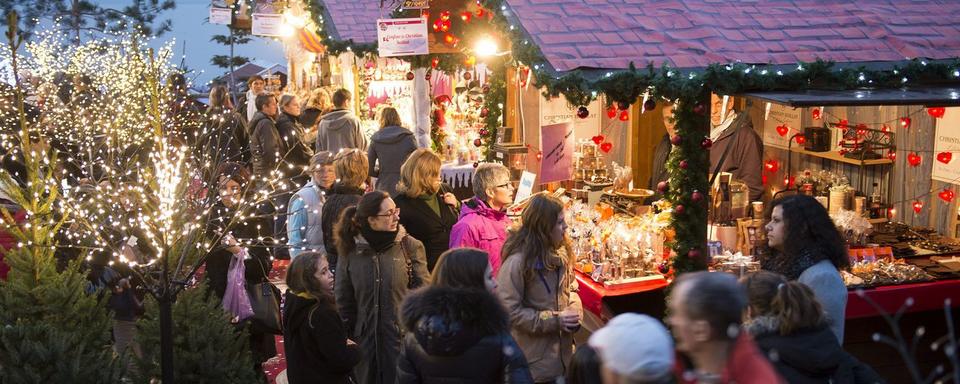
(448, 321)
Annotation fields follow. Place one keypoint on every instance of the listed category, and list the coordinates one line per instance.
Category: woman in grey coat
(391, 145)
(806, 246)
(379, 263)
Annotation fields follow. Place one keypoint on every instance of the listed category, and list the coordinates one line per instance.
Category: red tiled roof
(355, 19)
(609, 34)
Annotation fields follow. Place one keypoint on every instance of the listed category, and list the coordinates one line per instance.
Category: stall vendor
(732, 133)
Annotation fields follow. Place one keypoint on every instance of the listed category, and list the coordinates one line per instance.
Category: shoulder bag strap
(411, 279)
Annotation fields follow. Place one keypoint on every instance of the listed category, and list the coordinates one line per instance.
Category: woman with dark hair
(315, 342)
(457, 330)
(585, 367)
(379, 263)
(428, 208)
(225, 138)
(805, 245)
(389, 149)
(240, 235)
(785, 319)
(538, 288)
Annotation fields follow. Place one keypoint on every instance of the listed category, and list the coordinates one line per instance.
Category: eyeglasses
(505, 185)
(395, 211)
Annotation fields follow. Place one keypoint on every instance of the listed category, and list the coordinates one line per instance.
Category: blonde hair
(318, 98)
(351, 167)
(390, 117)
(418, 172)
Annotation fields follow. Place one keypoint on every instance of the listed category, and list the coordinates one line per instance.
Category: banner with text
(557, 144)
(947, 140)
(402, 37)
(781, 119)
(557, 110)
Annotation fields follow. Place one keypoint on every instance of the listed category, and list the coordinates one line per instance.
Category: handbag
(412, 281)
(265, 301)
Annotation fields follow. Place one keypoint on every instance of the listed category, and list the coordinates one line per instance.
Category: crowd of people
(398, 281)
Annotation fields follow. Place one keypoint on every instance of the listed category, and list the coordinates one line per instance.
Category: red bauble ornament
(917, 206)
(427, 76)
(944, 157)
(816, 113)
(649, 105)
(466, 16)
(624, 115)
(449, 39)
(679, 209)
(484, 132)
(623, 106)
(664, 267)
(905, 122)
(434, 62)
(583, 112)
(480, 12)
(467, 76)
(684, 164)
(612, 112)
(699, 109)
(706, 143)
(477, 142)
(936, 112)
(484, 112)
(539, 155)
(662, 187)
(597, 139)
(410, 76)
(782, 129)
(696, 196)
(771, 166)
(606, 147)
(676, 140)
(801, 139)
(914, 159)
(946, 195)
(445, 15)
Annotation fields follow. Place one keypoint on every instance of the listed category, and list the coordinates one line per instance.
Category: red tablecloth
(592, 292)
(926, 296)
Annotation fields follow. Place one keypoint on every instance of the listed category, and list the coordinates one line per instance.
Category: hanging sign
(781, 116)
(220, 15)
(557, 110)
(557, 144)
(402, 37)
(265, 24)
(416, 4)
(946, 147)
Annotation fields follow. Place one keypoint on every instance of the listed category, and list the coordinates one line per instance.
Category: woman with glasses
(429, 208)
(379, 264)
(351, 169)
(483, 219)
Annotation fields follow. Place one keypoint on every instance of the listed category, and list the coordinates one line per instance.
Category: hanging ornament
(679, 209)
(480, 12)
(801, 139)
(662, 187)
(892, 155)
(436, 26)
(597, 139)
(945, 157)
(434, 62)
(699, 109)
(885, 129)
(816, 113)
(664, 267)
(623, 106)
(706, 143)
(696, 196)
(410, 76)
(467, 76)
(905, 122)
(782, 129)
(612, 112)
(676, 140)
(484, 112)
(771, 166)
(449, 39)
(539, 155)
(684, 164)
(466, 16)
(649, 105)
(606, 147)
(445, 15)
(477, 142)
(946, 195)
(936, 112)
(485, 89)
(484, 132)
(789, 182)
(476, 164)
(583, 112)
(914, 159)
(917, 206)
(624, 115)
(445, 26)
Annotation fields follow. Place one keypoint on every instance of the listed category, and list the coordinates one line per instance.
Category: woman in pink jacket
(483, 219)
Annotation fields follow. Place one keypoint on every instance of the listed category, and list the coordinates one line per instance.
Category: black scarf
(792, 267)
(379, 240)
(340, 189)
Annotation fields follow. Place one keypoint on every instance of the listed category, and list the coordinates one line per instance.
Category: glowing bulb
(485, 47)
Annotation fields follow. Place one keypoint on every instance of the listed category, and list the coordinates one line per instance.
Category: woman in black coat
(246, 235)
(787, 322)
(225, 138)
(291, 132)
(351, 168)
(314, 338)
(457, 330)
(428, 210)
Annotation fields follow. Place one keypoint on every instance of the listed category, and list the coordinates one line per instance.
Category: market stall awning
(689, 34)
(353, 19)
(932, 96)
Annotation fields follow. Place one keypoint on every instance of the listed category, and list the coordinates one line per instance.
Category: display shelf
(878, 221)
(833, 155)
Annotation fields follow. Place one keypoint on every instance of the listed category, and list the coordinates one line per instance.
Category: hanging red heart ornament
(945, 157)
(892, 155)
(917, 206)
(905, 122)
(606, 147)
(782, 129)
(597, 139)
(624, 115)
(815, 113)
(914, 159)
(771, 166)
(936, 112)
(612, 112)
(946, 195)
(801, 140)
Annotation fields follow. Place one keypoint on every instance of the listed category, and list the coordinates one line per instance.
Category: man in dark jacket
(733, 129)
(340, 128)
(266, 147)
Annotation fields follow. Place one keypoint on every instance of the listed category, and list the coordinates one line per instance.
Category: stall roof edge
(939, 96)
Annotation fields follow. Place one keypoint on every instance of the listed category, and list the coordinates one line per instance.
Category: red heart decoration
(771, 166)
(624, 115)
(914, 159)
(917, 206)
(801, 139)
(597, 139)
(892, 155)
(905, 122)
(606, 147)
(946, 195)
(944, 157)
(936, 112)
(612, 112)
(816, 113)
(783, 129)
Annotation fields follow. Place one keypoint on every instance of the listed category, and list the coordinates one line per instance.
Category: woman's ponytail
(796, 307)
(346, 231)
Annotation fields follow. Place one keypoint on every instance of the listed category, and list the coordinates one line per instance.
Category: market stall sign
(557, 144)
(220, 15)
(784, 117)
(267, 24)
(946, 142)
(557, 110)
(416, 4)
(402, 37)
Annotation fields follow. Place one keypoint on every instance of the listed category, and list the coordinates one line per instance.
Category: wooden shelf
(878, 221)
(833, 155)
